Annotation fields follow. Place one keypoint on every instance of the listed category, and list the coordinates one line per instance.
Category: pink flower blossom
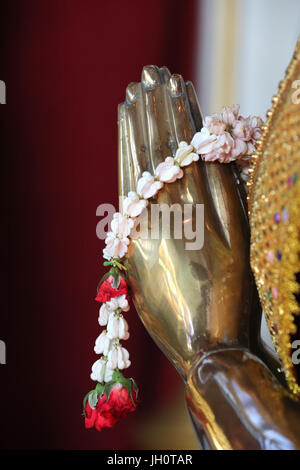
(239, 149)
(214, 124)
(241, 129)
(229, 115)
(235, 136)
(222, 149)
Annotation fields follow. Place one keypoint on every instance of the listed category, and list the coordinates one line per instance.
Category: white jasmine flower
(101, 372)
(147, 186)
(117, 327)
(108, 374)
(118, 357)
(203, 141)
(133, 205)
(118, 302)
(185, 154)
(112, 358)
(123, 328)
(98, 370)
(103, 343)
(107, 308)
(168, 172)
(123, 358)
(113, 326)
(104, 312)
(115, 247)
(121, 225)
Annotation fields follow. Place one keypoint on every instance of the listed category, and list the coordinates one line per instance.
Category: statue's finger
(157, 115)
(165, 74)
(137, 130)
(179, 107)
(194, 106)
(126, 177)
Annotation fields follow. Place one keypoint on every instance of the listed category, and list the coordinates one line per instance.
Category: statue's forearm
(235, 400)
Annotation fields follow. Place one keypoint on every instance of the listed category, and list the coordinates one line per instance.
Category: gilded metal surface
(239, 404)
(188, 300)
(192, 302)
(275, 219)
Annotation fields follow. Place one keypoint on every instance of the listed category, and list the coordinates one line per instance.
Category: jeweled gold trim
(274, 211)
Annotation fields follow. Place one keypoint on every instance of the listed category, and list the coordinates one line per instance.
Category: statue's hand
(189, 300)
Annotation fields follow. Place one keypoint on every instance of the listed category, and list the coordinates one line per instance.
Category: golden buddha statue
(201, 307)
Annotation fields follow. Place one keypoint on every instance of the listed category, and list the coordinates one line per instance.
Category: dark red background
(66, 65)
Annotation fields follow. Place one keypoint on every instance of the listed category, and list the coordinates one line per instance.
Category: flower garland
(225, 137)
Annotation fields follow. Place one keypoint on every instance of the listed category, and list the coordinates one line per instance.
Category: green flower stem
(115, 264)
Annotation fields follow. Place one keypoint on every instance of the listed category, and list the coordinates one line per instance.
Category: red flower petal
(109, 412)
(90, 416)
(107, 292)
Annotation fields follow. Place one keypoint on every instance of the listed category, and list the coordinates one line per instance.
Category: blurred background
(66, 64)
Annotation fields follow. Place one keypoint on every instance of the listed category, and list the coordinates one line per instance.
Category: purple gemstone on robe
(278, 255)
(289, 182)
(277, 217)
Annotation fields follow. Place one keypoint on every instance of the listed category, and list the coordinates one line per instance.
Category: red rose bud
(107, 291)
(108, 412)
